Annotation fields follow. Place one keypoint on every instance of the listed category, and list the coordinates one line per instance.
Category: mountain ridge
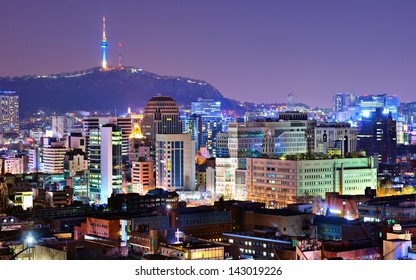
(116, 89)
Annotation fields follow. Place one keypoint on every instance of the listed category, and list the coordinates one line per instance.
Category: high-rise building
(341, 101)
(53, 154)
(161, 116)
(105, 162)
(193, 125)
(376, 135)
(125, 123)
(175, 162)
(211, 117)
(90, 123)
(9, 113)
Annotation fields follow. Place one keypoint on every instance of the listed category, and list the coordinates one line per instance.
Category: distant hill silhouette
(95, 90)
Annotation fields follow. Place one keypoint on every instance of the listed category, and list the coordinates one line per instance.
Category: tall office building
(175, 162)
(91, 125)
(53, 154)
(105, 162)
(212, 121)
(161, 116)
(341, 101)
(193, 125)
(377, 135)
(9, 113)
(125, 123)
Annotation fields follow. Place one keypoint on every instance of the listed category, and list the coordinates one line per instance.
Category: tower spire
(119, 55)
(104, 48)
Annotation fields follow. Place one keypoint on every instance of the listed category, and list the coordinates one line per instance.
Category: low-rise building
(398, 244)
(257, 245)
(131, 202)
(393, 209)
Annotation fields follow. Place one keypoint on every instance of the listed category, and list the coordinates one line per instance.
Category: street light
(28, 241)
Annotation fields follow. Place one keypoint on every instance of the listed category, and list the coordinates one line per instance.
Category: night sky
(257, 51)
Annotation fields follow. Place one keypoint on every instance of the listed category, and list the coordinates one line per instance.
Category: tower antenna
(119, 55)
(104, 48)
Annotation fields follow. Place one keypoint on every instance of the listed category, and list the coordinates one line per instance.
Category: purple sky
(257, 51)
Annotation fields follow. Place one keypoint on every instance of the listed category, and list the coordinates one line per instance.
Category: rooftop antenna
(119, 55)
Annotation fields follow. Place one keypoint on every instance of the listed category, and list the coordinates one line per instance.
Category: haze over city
(251, 51)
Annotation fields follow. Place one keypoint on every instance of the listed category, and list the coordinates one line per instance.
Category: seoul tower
(104, 48)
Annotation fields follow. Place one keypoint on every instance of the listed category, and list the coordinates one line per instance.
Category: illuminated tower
(104, 48)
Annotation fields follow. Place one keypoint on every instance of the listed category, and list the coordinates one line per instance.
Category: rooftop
(277, 212)
(194, 244)
(161, 98)
(251, 236)
(340, 246)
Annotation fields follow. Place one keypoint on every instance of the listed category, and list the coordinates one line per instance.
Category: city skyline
(255, 52)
